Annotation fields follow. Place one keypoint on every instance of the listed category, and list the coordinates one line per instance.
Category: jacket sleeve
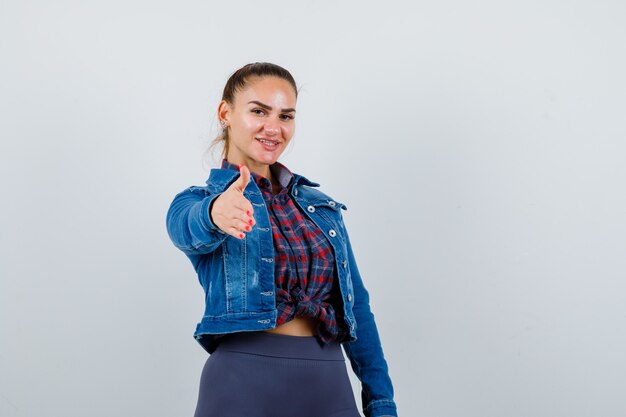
(366, 353)
(189, 223)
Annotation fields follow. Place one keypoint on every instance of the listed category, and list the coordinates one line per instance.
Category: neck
(254, 166)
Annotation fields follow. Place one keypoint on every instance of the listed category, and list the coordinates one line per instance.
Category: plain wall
(479, 147)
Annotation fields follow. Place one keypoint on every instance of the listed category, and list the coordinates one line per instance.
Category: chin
(269, 161)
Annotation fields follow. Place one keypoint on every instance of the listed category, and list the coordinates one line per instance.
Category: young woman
(282, 289)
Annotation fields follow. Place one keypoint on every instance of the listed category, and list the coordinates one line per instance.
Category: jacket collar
(223, 177)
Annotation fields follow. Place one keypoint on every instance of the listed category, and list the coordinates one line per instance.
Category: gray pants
(260, 374)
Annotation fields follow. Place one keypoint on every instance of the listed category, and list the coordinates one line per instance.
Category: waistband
(281, 345)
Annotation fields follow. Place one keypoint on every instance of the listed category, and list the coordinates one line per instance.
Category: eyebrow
(270, 107)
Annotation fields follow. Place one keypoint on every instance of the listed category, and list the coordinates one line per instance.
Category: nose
(271, 128)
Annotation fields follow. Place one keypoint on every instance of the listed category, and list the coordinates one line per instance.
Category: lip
(269, 148)
(269, 140)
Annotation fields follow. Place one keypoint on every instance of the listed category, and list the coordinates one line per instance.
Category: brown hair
(239, 80)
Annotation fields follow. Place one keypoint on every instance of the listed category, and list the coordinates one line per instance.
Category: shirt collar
(279, 171)
(221, 178)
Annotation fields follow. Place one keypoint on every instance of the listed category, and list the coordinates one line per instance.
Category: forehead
(267, 89)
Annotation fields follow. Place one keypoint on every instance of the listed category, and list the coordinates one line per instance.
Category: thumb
(243, 180)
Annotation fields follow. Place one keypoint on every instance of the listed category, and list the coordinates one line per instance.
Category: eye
(257, 110)
(288, 117)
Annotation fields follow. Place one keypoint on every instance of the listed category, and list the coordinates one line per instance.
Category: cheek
(288, 131)
(249, 124)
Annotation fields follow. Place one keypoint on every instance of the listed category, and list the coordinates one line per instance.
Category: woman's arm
(189, 223)
(366, 353)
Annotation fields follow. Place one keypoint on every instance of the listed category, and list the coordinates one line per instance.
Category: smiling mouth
(268, 143)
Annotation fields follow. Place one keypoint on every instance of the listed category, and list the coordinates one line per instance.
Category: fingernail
(250, 221)
(239, 166)
(248, 212)
(240, 235)
(248, 228)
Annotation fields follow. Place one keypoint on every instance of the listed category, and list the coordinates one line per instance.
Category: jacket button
(344, 263)
(349, 297)
(332, 203)
(311, 209)
(332, 233)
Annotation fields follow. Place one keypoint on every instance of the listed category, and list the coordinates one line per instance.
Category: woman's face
(262, 122)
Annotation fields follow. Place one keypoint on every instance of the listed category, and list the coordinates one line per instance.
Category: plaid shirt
(304, 261)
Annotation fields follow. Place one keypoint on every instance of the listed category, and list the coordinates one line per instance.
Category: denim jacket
(237, 275)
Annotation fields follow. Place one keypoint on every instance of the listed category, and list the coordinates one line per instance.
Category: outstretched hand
(232, 212)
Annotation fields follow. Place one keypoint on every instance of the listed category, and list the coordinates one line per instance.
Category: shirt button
(349, 297)
(332, 203)
(311, 209)
(344, 263)
(332, 233)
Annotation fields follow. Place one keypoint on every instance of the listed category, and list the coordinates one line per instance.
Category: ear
(223, 111)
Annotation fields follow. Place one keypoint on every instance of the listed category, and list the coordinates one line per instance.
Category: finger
(247, 211)
(244, 219)
(242, 225)
(244, 178)
(240, 209)
(245, 174)
(233, 231)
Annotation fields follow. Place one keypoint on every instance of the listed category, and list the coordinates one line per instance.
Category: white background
(479, 148)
